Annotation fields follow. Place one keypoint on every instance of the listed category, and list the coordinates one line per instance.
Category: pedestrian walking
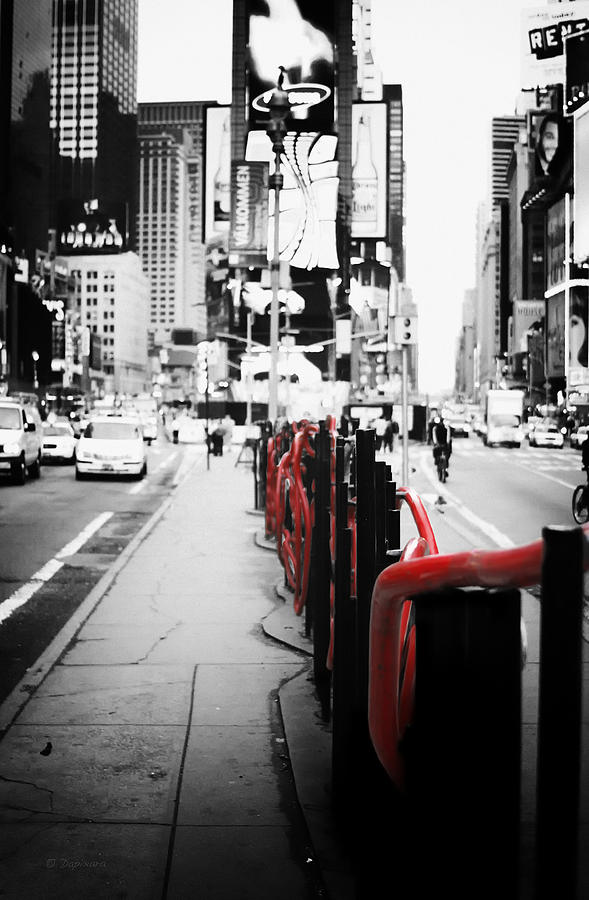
(388, 437)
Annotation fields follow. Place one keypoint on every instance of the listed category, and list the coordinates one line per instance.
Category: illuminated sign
(299, 95)
(544, 33)
(296, 38)
(248, 234)
(576, 91)
(369, 170)
(308, 199)
(87, 228)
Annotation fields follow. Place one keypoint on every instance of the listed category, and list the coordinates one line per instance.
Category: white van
(21, 440)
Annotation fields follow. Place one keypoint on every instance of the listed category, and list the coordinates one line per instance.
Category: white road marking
(488, 529)
(137, 487)
(46, 572)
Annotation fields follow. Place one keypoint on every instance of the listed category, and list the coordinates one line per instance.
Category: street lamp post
(333, 283)
(278, 107)
(35, 357)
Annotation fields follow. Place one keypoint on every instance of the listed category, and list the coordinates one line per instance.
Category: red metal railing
(390, 703)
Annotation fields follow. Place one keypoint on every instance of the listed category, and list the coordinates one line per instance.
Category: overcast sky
(459, 64)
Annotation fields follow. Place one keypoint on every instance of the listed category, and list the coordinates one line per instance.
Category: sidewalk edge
(20, 695)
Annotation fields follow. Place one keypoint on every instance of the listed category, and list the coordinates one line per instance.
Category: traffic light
(405, 329)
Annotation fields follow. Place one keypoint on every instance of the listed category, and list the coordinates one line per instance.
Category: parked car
(20, 440)
(579, 436)
(59, 442)
(546, 434)
(460, 426)
(111, 445)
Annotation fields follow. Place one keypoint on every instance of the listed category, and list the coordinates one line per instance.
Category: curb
(20, 695)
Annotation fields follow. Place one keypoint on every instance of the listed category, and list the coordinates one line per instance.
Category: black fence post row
(463, 748)
(559, 714)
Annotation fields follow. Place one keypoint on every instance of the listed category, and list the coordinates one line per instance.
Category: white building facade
(112, 299)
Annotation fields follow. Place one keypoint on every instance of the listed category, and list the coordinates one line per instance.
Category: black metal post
(559, 714)
(365, 554)
(322, 580)
(463, 748)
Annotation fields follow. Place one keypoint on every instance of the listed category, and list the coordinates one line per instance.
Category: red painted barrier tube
(420, 516)
(390, 700)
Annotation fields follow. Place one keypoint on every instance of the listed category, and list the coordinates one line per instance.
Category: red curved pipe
(420, 516)
(390, 701)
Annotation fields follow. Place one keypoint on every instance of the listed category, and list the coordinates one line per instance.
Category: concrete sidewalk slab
(164, 721)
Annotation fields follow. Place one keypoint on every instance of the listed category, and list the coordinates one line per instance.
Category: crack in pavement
(36, 787)
(155, 643)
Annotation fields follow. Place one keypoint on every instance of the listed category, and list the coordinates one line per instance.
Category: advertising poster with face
(555, 336)
(578, 356)
(542, 40)
(369, 170)
(550, 139)
(298, 36)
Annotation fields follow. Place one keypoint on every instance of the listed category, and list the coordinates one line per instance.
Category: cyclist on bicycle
(441, 439)
(585, 457)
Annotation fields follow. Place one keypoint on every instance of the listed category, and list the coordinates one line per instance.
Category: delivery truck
(503, 418)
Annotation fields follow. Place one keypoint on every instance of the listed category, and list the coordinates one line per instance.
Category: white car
(546, 434)
(579, 436)
(59, 442)
(20, 440)
(111, 445)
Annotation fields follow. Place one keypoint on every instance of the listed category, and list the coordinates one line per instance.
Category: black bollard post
(321, 614)
(559, 714)
(365, 554)
(254, 447)
(380, 515)
(463, 749)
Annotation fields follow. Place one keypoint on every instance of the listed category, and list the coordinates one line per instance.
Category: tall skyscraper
(25, 197)
(93, 103)
(171, 211)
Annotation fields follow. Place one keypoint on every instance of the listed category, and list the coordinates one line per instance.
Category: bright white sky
(459, 64)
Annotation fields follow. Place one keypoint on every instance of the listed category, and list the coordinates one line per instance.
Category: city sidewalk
(153, 759)
(172, 744)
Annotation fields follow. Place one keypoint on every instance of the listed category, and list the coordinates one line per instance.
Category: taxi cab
(111, 444)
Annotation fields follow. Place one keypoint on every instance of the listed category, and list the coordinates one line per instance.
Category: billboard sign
(544, 30)
(217, 173)
(248, 233)
(308, 198)
(91, 227)
(369, 170)
(581, 197)
(301, 42)
(555, 336)
(576, 89)
(528, 315)
(300, 96)
(578, 368)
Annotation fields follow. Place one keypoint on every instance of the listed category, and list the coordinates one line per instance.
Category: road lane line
(137, 487)
(488, 529)
(46, 572)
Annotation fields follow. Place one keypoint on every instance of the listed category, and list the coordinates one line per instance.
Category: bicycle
(442, 464)
(581, 503)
